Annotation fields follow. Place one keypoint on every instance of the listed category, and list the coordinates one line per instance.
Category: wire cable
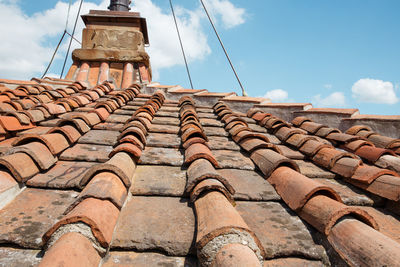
(180, 41)
(59, 43)
(70, 42)
(223, 47)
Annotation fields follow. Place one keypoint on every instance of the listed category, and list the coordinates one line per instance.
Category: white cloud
(277, 95)
(374, 91)
(29, 41)
(230, 15)
(336, 99)
(328, 86)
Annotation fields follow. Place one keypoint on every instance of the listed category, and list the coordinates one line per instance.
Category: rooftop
(108, 168)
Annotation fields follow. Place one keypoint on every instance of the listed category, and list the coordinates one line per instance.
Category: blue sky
(331, 53)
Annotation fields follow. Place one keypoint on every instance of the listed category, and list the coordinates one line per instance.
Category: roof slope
(153, 174)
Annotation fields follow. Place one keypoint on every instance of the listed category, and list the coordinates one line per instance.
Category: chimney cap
(119, 5)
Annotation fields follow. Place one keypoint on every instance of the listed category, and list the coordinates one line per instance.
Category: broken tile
(233, 159)
(280, 231)
(311, 170)
(123, 259)
(163, 140)
(164, 224)
(249, 185)
(87, 152)
(221, 142)
(13, 257)
(161, 156)
(99, 137)
(158, 181)
(63, 175)
(215, 131)
(24, 221)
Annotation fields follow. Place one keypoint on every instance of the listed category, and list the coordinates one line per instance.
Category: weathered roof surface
(153, 175)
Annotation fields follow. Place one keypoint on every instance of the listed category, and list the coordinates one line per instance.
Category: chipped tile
(123, 259)
(63, 175)
(249, 185)
(163, 140)
(152, 180)
(221, 142)
(24, 221)
(87, 152)
(233, 159)
(161, 156)
(164, 224)
(99, 137)
(311, 170)
(280, 231)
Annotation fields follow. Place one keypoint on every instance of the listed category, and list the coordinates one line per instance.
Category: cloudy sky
(330, 53)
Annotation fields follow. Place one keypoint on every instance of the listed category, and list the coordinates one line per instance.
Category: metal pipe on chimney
(119, 5)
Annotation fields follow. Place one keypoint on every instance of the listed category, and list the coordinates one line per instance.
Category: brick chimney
(113, 48)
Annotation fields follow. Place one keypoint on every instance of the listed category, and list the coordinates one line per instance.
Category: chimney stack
(119, 5)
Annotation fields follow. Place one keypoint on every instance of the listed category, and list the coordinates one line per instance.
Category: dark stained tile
(123, 259)
(233, 159)
(159, 128)
(108, 126)
(12, 257)
(63, 175)
(215, 131)
(163, 224)
(351, 195)
(152, 180)
(221, 142)
(163, 140)
(99, 137)
(211, 122)
(24, 221)
(161, 156)
(311, 170)
(86, 152)
(281, 232)
(249, 185)
(114, 118)
(166, 121)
